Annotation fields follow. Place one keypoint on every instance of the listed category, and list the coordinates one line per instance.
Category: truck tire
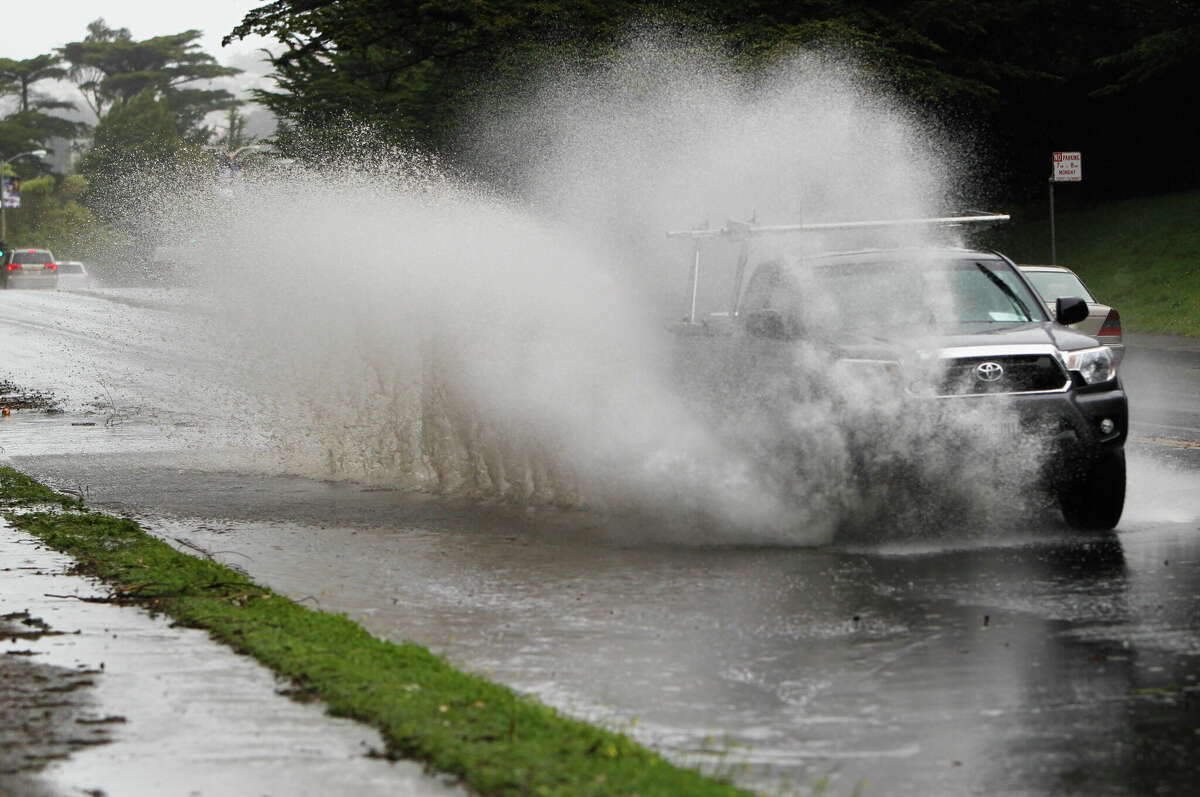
(1095, 501)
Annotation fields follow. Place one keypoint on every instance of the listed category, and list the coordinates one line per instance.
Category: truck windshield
(888, 294)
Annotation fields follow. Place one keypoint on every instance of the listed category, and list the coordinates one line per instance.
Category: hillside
(1142, 256)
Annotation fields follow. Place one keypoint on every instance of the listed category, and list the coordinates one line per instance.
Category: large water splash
(669, 135)
(395, 326)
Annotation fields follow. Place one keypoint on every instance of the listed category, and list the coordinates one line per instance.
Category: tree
(111, 70)
(52, 216)
(29, 130)
(1021, 78)
(410, 67)
(1166, 51)
(21, 75)
(29, 127)
(33, 129)
(88, 78)
(134, 139)
(17, 137)
(235, 130)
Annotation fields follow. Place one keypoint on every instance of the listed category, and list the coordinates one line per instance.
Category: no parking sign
(1068, 167)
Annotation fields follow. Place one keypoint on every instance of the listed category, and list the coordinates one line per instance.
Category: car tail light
(1111, 325)
(14, 266)
(51, 266)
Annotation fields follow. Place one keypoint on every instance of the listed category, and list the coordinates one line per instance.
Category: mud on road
(14, 398)
(48, 711)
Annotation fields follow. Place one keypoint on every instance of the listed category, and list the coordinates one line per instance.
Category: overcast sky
(33, 27)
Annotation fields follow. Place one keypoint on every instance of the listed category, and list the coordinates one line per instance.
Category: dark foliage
(1033, 75)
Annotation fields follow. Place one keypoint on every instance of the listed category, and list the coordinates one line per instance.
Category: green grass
(497, 741)
(17, 489)
(1142, 256)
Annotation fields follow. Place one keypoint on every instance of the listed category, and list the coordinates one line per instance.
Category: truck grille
(968, 376)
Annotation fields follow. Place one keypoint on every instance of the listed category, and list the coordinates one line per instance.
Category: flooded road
(997, 658)
(1038, 662)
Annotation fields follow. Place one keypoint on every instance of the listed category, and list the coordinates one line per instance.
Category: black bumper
(1073, 424)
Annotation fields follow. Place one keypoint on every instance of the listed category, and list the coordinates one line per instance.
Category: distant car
(28, 268)
(72, 274)
(1103, 322)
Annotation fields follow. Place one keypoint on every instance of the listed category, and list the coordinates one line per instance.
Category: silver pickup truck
(940, 332)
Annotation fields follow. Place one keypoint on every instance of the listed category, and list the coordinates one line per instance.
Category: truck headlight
(1096, 366)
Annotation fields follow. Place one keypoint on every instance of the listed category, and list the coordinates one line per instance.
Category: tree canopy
(409, 67)
(18, 77)
(52, 216)
(1033, 75)
(135, 137)
(112, 69)
(30, 126)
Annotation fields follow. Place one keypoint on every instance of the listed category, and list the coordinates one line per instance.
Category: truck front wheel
(1095, 500)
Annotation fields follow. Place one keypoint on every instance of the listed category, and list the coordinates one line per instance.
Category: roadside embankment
(1141, 255)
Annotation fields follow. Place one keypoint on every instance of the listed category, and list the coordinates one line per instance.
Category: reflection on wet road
(1038, 662)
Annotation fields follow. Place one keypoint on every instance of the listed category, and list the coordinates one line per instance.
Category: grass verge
(1142, 256)
(495, 740)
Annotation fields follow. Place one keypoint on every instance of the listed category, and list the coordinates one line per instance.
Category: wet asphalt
(1028, 660)
(1001, 656)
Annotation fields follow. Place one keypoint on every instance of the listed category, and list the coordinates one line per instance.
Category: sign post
(1065, 167)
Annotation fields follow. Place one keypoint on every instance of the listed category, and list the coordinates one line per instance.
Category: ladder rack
(739, 230)
(743, 231)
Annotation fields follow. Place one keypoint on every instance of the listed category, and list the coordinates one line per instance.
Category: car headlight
(1096, 366)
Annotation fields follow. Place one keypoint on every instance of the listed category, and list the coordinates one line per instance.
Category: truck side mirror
(1070, 310)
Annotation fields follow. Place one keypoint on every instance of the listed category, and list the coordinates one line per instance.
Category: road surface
(999, 655)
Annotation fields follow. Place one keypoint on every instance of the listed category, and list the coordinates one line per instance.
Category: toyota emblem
(989, 372)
